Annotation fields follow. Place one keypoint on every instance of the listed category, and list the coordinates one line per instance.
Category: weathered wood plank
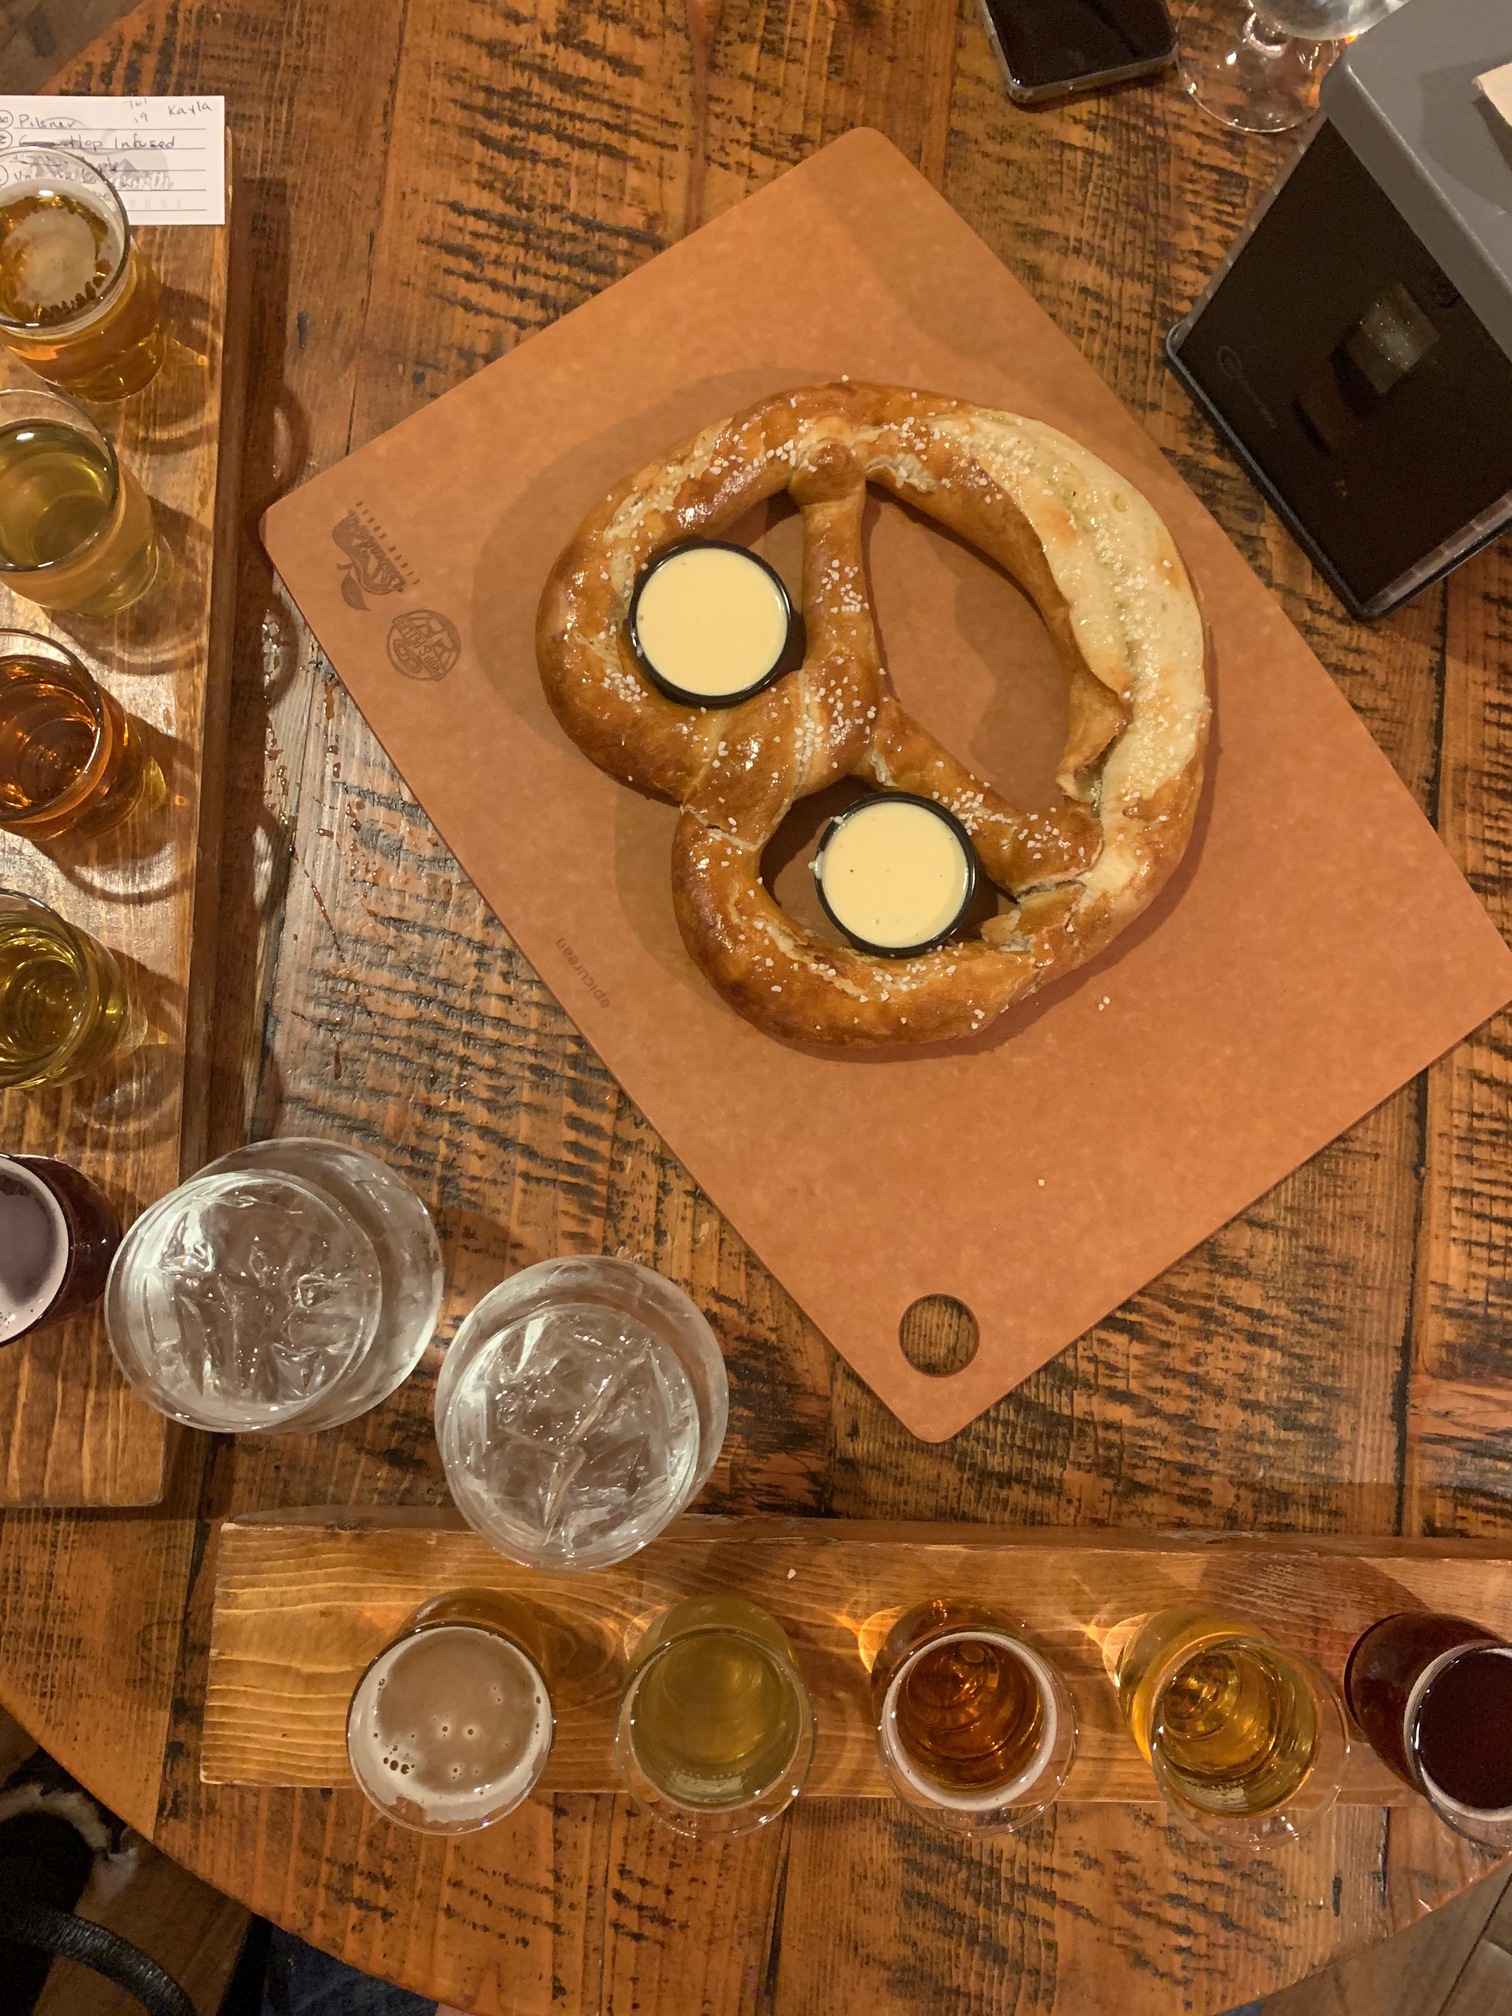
(302, 1607)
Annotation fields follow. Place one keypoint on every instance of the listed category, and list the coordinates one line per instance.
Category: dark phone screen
(1055, 41)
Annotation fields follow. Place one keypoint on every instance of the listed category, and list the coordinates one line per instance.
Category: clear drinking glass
(79, 302)
(1433, 1695)
(450, 1727)
(63, 1007)
(70, 759)
(716, 1729)
(1257, 68)
(58, 1232)
(580, 1407)
(1245, 1737)
(287, 1287)
(975, 1728)
(75, 527)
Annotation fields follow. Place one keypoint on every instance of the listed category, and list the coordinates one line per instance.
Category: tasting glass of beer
(580, 1407)
(71, 761)
(975, 1728)
(716, 1729)
(58, 1232)
(75, 526)
(63, 1007)
(1433, 1696)
(288, 1287)
(450, 1727)
(78, 301)
(1246, 1737)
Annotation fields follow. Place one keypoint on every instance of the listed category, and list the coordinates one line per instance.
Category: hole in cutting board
(939, 1335)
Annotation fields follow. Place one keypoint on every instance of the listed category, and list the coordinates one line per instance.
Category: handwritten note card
(166, 156)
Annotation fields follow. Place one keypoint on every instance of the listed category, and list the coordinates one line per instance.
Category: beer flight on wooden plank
(449, 1727)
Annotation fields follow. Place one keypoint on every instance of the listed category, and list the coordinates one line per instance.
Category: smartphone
(1050, 47)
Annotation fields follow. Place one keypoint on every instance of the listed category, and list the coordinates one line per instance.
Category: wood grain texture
(37, 37)
(1414, 1974)
(426, 187)
(71, 1431)
(92, 1604)
(1461, 1386)
(302, 1607)
(1486, 1981)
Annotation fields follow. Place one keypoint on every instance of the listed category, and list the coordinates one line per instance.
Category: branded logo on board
(423, 644)
(368, 566)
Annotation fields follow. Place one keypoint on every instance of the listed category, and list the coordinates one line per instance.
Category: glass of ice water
(1256, 65)
(580, 1407)
(287, 1287)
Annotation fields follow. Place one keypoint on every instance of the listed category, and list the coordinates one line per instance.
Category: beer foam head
(33, 1248)
(989, 1798)
(449, 1728)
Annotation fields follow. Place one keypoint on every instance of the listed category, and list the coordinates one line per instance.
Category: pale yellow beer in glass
(63, 1006)
(716, 1728)
(76, 530)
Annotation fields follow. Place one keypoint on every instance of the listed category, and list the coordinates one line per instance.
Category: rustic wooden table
(425, 187)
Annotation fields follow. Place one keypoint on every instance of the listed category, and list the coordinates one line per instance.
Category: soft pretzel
(1107, 580)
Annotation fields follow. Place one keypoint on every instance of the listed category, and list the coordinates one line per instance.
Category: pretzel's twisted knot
(1107, 580)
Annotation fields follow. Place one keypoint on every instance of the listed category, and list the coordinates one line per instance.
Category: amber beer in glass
(1245, 1736)
(1432, 1695)
(716, 1728)
(71, 761)
(57, 1235)
(975, 1728)
(63, 1007)
(75, 527)
(450, 1727)
(78, 301)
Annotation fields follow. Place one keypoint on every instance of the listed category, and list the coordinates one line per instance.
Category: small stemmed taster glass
(976, 1730)
(716, 1729)
(79, 302)
(71, 759)
(58, 1233)
(1246, 1737)
(1257, 68)
(64, 1008)
(76, 529)
(450, 1727)
(1433, 1695)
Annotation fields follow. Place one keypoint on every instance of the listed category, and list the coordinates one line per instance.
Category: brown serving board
(71, 1430)
(1316, 948)
(303, 1602)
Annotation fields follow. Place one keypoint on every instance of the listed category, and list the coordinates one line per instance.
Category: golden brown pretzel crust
(1108, 581)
